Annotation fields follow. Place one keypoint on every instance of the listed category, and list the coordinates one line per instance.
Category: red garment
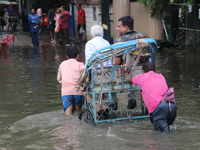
(81, 13)
(64, 20)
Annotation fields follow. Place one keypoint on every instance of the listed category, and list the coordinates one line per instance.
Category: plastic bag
(81, 31)
(57, 28)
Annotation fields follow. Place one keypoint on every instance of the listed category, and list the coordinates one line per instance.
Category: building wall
(144, 23)
(92, 18)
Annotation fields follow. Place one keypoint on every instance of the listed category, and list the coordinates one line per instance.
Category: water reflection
(31, 109)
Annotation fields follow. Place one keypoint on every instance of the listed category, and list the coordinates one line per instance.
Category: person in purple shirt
(154, 86)
(11, 13)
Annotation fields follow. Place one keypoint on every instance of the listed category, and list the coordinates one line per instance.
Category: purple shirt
(153, 87)
(10, 11)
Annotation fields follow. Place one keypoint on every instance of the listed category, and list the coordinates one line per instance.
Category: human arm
(81, 67)
(31, 20)
(82, 17)
(59, 76)
(126, 74)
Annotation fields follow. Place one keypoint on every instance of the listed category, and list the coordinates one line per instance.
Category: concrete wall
(144, 23)
(90, 20)
(142, 20)
(120, 8)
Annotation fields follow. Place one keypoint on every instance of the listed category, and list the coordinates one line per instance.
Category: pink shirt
(64, 24)
(56, 18)
(153, 87)
(68, 74)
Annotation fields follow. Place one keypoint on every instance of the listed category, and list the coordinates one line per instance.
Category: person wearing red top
(63, 20)
(81, 21)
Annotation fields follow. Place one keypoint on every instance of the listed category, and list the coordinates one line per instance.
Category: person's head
(78, 6)
(32, 10)
(96, 30)
(124, 24)
(54, 6)
(148, 66)
(11, 4)
(58, 10)
(63, 8)
(72, 52)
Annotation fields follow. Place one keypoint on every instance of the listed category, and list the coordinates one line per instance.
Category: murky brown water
(31, 115)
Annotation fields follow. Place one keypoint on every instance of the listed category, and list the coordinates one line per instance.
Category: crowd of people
(56, 21)
(154, 87)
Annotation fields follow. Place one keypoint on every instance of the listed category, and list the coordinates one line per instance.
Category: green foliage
(156, 7)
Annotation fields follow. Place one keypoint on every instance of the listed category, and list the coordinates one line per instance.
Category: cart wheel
(87, 116)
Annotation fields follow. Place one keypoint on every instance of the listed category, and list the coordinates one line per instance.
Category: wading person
(154, 86)
(68, 74)
(34, 21)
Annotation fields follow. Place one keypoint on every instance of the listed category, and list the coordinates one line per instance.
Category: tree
(156, 7)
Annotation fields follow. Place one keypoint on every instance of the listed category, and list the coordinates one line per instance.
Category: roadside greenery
(156, 7)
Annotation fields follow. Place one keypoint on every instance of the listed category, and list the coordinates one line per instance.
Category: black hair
(33, 8)
(72, 52)
(79, 5)
(127, 21)
(149, 66)
(64, 7)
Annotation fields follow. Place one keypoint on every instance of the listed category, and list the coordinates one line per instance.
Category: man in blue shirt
(11, 13)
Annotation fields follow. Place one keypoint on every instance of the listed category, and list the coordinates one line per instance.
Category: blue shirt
(34, 21)
(10, 11)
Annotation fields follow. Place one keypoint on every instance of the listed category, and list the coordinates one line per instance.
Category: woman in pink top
(63, 20)
(56, 18)
(68, 74)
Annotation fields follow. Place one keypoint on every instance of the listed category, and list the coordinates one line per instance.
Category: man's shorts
(79, 26)
(72, 99)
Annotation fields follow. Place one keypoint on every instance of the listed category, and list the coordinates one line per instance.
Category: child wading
(68, 74)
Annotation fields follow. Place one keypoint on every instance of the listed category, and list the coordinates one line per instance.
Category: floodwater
(31, 115)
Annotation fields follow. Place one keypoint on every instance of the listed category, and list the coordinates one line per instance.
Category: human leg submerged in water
(162, 117)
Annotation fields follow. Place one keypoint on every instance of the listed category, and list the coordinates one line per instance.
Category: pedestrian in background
(81, 22)
(24, 16)
(11, 13)
(41, 16)
(34, 22)
(63, 20)
(56, 18)
(51, 21)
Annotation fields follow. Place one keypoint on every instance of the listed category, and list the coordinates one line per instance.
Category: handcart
(98, 82)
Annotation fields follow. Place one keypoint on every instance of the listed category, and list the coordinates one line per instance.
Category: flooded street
(31, 115)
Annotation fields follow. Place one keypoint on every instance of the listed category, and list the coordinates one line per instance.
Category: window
(94, 13)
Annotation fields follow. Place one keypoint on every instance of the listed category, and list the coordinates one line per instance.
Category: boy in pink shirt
(68, 74)
(153, 87)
